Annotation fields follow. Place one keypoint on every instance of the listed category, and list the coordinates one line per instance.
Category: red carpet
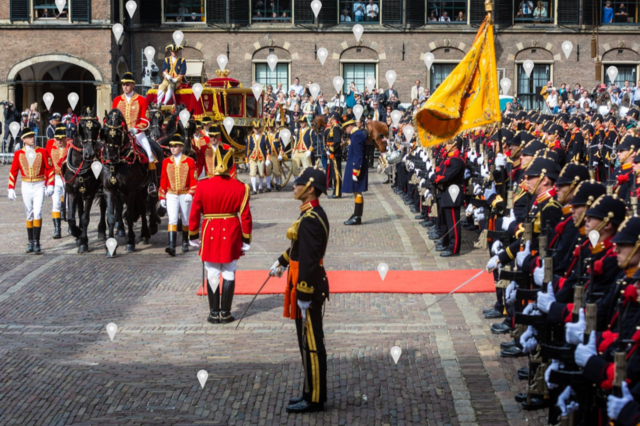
(417, 282)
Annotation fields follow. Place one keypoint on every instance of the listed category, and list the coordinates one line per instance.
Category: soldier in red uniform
(57, 151)
(226, 231)
(207, 154)
(177, 186)
(134, 109)
(36, 170)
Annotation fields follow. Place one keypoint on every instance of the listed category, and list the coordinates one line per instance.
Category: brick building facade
(47, 54)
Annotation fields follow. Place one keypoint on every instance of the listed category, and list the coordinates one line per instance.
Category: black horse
(125, 180)
(156, 123)
(81, 184)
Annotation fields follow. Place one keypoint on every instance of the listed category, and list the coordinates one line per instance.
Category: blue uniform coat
(356, 160)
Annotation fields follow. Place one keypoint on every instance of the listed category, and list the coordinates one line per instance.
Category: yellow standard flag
(467, 98)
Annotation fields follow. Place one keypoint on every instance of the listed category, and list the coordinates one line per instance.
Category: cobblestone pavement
(58, 365)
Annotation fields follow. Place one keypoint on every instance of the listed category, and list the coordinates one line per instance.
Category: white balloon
(391, 77)
(322, 55)
(272, 60)
(48, 99)
(314, 89)
(316, 5)
(117, 31)
(357, 111)
(357, 31)
(15, 129)
(257, 90)
(428, 59)
(184, 117)
(31, 156)
(505, 83)
(338, 83)
(567, 47)
(395, 117)
(408, 131)
(223, 61)
(228, 124)
(149, 53)
(612, 72)
(73, 99)
(528, 67)
(370, 82)
(131, 7)
(197, 90)
(60, 4)
(178, 36)
(285, 136)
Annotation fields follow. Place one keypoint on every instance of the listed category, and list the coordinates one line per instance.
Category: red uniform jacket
(178, 178)
(42, 169)
(224, 203)
(134, 112)
(57, 155)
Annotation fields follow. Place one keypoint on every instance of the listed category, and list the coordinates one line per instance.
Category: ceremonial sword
(253, 300)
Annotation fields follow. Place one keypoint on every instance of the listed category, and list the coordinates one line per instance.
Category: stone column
(103, 99)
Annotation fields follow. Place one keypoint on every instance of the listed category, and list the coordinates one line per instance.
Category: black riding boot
(228, 288)
(30, 245)
(214, 304)
(63, 210)
(153, 189)
(171, 248)
(36, 239)
(56, 228)
(356, 218)
(185, 241)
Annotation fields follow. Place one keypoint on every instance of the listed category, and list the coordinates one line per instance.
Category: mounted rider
(134, 109)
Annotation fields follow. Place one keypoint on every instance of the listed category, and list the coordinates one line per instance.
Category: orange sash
(290, 299)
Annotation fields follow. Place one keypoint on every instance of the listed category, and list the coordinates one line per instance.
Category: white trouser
(33, 197)
(213, 272)
(161, 93)
(178, 205)
(142, 140)
(58, 194)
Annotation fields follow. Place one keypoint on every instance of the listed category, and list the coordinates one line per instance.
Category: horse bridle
(112, 133)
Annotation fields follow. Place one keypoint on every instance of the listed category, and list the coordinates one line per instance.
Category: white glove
(472, 156)
(522, 255)
(510, 294)
(267, 163)
(531, 309)
(530, 342)
(303, 307)
(615, 404)
(355, 178)
(538, 274)
(500, 161)
(496, 247)
(307, 154)
(188, 198)
(478, 217)
(484, 172)
(546, 299)
(493, 263)
(506, 221)
(279, 157)
(566, 409)
(133, 131)
(195, 243)
(246, 247)
(431, 173)
(163, 203)
(49, 191)
(584, 352)
(477, 189)
(276, 269)
(489, 192)
(467, 174)
(555, 365)
(11, 194)
(469, 211)
(481, 160)
(595, 164)
(574, 331)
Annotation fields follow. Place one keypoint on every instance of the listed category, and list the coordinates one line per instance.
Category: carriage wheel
(286, 165)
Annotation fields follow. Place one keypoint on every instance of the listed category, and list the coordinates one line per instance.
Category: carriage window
(234, 105)
(221, 104)
(184, 11)
(47, 10)
(251, 106)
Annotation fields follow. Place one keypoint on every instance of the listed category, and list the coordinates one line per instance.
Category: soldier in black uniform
(308, 287)
(334, 155)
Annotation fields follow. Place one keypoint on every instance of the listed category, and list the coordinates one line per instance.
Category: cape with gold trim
(467, 98)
